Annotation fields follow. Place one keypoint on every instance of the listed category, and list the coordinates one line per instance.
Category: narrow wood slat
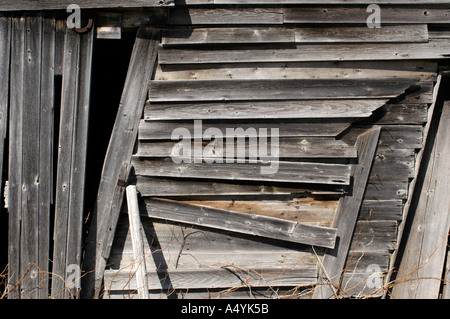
(314, 147)
(241, 90)
(15, 156)
(434, 49)
(25, 5)
(390, 15)
(420, 70)
(29, 249)
(346, 216)
(196, 16)
(110, 194)
(218, 278)
(5, 50)
(381, 209)
(263, 110)
(152, 186)
(291, 172)
(202, 36)
(162, 130)
(257, 225)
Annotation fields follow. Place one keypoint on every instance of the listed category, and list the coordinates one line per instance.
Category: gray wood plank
(263, 110)
(199, 16)
(346, 217)
(15, 156)
(5, 50)
(381, 210)
(46, 137)
(390, 15)
(110, 195)
(78, 161)
(241, 90)
(293, 172)
(69, 101)
(162, 130)
(423, 260)
(257, 225)
(157, 187)
(313, 147)
(434, 49)
(22, 5)
(29, 246)
(402, 114)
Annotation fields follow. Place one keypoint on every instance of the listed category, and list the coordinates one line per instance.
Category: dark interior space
(109, 69)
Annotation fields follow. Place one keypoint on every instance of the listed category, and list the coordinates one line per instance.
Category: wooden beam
(290, 172)
(434, 49)
(137, 241)
(346, 217)
(26, 5)
(257, 225)
(123, 137)
(263, 110)
(423, 259)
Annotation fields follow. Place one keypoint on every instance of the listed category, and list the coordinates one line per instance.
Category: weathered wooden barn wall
(324, 78)
(353, 106)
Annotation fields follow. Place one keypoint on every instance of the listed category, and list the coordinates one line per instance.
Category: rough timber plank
(197, 16)
(15, 156)
(293, 172)
(420, 70)
(110, 194)
(421, 266)
(346, 216)
(257, 225)
(263, 110)
(153, 186)
(22, 5)
(218, 90)
(390, 15)
(5, 50)
(46, 137)
(434, 49)
(29, 248)
(381, 210)
(162, 130)
(313, 147)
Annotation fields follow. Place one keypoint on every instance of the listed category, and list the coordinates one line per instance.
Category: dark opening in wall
(109, 69)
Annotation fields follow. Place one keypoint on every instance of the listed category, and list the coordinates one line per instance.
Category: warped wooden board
(434, 49)
(423, 261)
(420, 70)
(402, 114)
(173, 36)
(162, 130)
(303, 210)
(219, 278)
(313, 147)
(188, 16)
(291, 172)
(157, 187)
(390, 15)
(263, 110)
(241, 90)
(257, 225)
(21, 5)
(202, 36)
(346, 217)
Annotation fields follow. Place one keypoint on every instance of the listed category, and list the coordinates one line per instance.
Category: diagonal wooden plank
(257, 225)
(123, 137)
(346, 216)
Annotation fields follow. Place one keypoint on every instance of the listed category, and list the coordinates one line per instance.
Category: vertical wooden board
(68, 104)
(422, 263)
(29, 259)
(123, 137)
(346, 216)
(78, 161)
(46, 128)
(15, 156)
